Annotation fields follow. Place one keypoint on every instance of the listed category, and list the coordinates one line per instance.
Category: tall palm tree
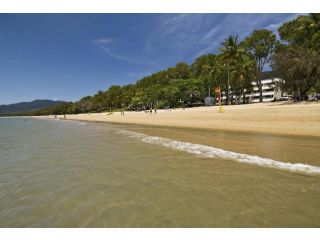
(242, 74)
(230, 50)
(209, 73)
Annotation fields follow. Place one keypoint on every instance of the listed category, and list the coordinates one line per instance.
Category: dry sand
(272, 118)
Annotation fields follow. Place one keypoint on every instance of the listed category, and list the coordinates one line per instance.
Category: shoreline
(299, 119)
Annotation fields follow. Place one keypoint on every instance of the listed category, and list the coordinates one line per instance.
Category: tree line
(295, 57)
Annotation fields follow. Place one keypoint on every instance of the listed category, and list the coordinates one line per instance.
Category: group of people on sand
(150, 111)
(61, 118)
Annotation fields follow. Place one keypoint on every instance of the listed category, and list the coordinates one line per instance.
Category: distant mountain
(27, 106)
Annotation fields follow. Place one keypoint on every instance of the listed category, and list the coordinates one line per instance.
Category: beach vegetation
(297, 57)
(260, 45)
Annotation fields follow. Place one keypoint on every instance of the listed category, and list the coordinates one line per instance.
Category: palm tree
(242, 74)
(209, 73)
(230, 50)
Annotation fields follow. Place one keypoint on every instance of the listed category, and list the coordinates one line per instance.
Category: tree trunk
(303, 94)
(228, 99)
(260, 92)
(259, 82)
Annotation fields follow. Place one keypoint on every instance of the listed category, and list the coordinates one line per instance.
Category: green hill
(27, 106)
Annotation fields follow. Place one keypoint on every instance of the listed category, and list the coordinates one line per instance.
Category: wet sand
(300, 119)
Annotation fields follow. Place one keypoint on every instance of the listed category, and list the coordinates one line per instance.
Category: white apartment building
(270, 91)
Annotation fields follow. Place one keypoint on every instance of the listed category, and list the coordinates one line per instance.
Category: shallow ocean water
(75, 174)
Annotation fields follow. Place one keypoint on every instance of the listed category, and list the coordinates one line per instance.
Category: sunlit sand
(272, 118)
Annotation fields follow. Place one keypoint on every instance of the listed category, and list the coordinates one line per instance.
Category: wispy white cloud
(108, 45)
(275, 26)
(210, 33)
(174, 31)
(112, 54)
(104, 43)
(180, 30)
(170, 38)
(103, 40)
(209, 49)
(181, 23)
(241, 25)
(197, 34)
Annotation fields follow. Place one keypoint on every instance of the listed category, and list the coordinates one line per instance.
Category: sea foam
(212, 152)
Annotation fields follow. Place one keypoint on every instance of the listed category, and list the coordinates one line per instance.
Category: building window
(268, 90)
(268, 96)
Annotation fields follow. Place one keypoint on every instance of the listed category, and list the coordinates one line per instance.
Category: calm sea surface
(74, 174)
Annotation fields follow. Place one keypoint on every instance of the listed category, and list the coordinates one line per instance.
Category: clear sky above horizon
(68, 56)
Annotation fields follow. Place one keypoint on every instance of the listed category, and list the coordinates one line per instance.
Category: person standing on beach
(122, 109)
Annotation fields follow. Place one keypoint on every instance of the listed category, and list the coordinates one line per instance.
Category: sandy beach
(301, 119)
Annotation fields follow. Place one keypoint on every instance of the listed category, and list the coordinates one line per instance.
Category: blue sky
(68, 56)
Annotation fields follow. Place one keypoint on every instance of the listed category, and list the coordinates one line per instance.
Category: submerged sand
(272, 118)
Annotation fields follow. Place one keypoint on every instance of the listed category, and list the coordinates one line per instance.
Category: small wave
(207, 151)
(82, 123)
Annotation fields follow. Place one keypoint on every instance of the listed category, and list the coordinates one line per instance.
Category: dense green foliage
(295, 59)
(260, 45)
